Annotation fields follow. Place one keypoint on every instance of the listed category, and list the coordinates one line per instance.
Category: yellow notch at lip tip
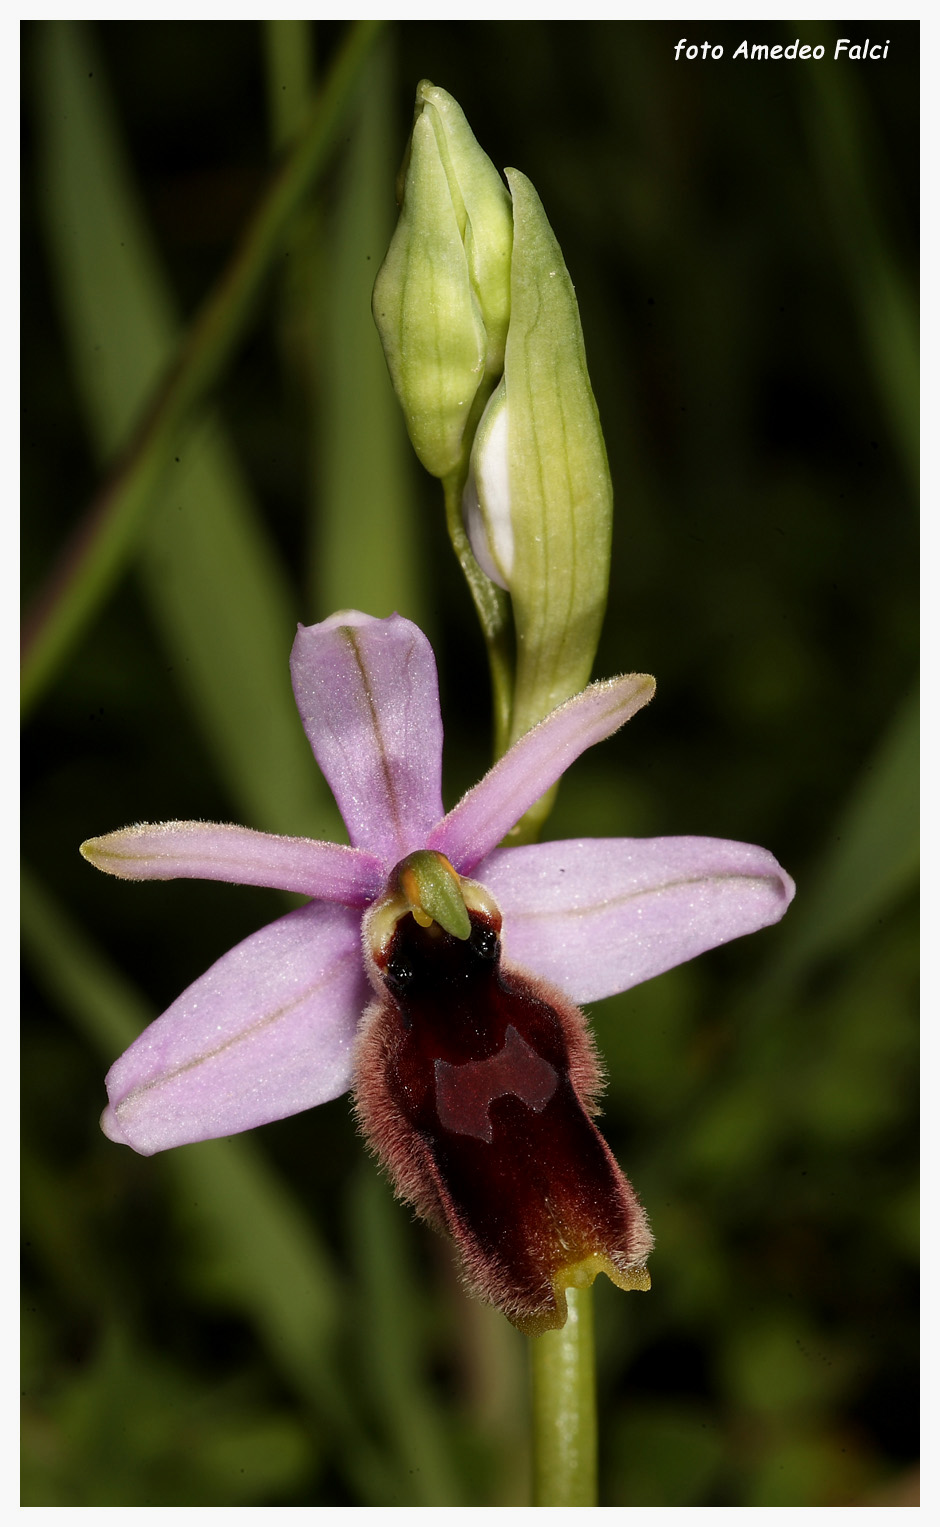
(581, 1274)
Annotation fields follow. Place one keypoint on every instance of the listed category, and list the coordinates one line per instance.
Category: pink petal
(598, 916)
(214, 851)
(366, 690)
(268, 1031)
(533, 764)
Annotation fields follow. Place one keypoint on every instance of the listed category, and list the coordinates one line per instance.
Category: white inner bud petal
(487, 507)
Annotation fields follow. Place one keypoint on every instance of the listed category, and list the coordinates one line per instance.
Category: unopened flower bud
(441, 299)
(538, 501)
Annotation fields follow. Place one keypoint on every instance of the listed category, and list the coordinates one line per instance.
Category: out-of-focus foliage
(253, 1322)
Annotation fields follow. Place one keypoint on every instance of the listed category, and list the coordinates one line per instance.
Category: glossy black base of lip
(475, 1084)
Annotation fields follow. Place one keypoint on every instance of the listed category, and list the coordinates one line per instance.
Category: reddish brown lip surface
(475, 1087)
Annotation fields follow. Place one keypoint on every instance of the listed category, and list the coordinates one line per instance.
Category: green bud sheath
(441, 299)
(560, 499)
(486, 227)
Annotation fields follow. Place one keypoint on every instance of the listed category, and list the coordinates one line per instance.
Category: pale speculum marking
(464, 1092)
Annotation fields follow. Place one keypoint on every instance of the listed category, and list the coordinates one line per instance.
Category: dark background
(743, 240)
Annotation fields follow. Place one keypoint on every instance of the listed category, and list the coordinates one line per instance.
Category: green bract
(441, 299)
(539, 499)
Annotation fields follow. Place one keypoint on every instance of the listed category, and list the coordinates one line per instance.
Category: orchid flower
(447, 1002)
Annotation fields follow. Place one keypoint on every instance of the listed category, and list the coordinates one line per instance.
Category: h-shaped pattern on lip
(464, 1092)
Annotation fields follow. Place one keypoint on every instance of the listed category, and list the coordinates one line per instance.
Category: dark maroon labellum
(475, 1085)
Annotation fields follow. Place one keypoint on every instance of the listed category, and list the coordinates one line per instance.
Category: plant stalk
(564, 1409)
(494, 612)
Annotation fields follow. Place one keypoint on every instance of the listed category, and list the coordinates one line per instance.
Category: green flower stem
(494, 611)
(100, 548)
(564, 1409)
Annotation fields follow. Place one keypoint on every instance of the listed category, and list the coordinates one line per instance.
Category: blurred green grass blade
(846, 154)
(255, 1250)
(257, 1254)
(289, 71)
(118, 311)
(71, 114)
(227, 622)
(102, 1005)
(220, 599)
(870, 862)
(253, 1244)
(179, 1446)
(393, 1341)
(366, 551)
(276, 1270)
